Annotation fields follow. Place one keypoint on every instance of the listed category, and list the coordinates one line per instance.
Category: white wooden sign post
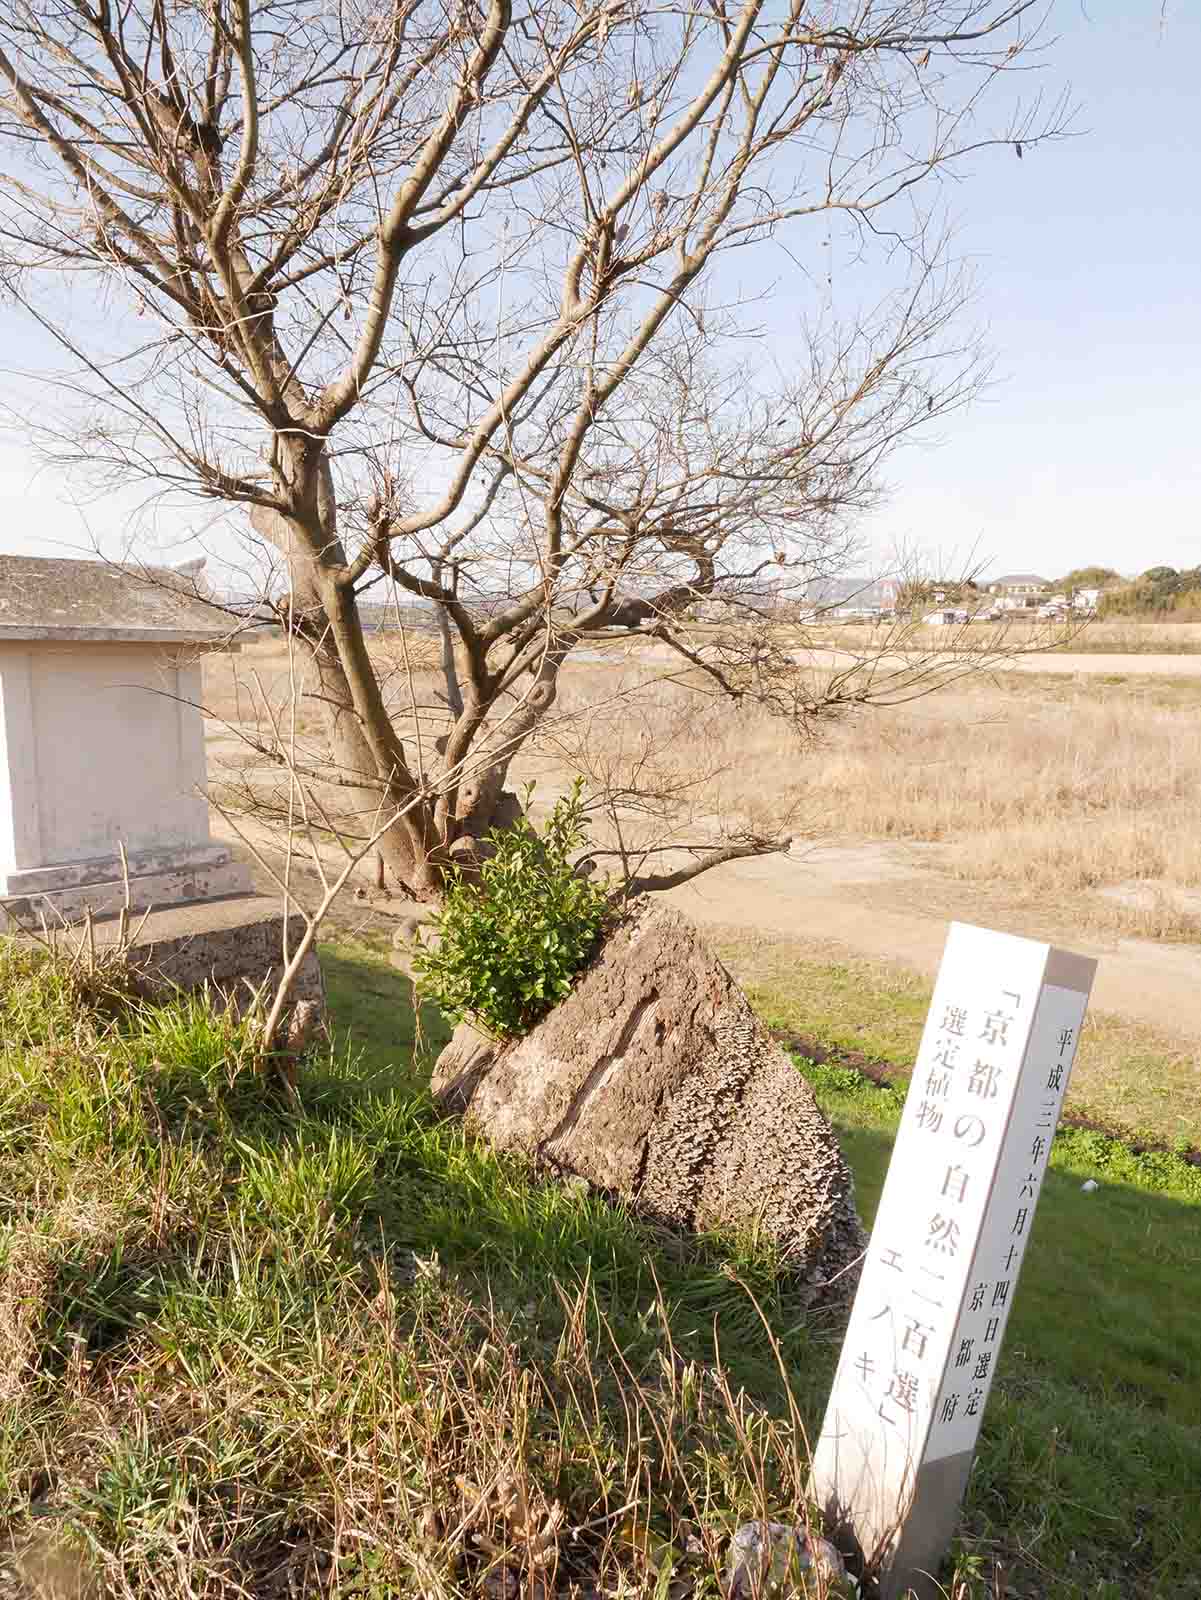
(954, 1220)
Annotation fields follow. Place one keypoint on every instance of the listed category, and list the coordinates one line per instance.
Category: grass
(1129, 1078)
(1128, 688)
(1076, 793)
(1048, 794)
(259, 1348)
(1111, 637)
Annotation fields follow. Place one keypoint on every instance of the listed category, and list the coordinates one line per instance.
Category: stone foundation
(233, 945)
(167, 877)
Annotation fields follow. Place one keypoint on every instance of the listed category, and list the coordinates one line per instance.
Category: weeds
(260, 1346)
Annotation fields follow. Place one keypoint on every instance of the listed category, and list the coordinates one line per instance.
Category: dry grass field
(1087, 638)
(1053, 786)
(1079, 792)
(1076, 791)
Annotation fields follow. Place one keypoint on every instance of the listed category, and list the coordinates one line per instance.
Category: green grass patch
(257, 1346)
(1091, 1447)
(1129, 1079)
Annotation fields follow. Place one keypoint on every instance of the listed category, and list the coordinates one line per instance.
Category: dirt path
(1127, 666)
(885, 901)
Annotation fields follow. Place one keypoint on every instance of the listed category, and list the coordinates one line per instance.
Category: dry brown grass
(1114, 637)
(993, 756)
(1080, 790)
(245, 687)
(1050, 796)
(1051, 789)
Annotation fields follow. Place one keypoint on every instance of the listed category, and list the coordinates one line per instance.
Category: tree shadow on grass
(371, 1008)
(1101, 1298)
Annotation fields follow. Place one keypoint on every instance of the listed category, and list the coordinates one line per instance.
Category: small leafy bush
(510, 944)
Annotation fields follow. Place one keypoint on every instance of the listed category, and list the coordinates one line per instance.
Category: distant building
(1018, 586)
(862, 596)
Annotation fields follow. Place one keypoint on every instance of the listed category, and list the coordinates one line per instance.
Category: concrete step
(180, 886)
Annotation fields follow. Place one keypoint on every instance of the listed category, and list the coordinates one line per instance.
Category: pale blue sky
(1087, 256)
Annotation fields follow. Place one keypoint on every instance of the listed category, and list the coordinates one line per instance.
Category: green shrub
(511, 942)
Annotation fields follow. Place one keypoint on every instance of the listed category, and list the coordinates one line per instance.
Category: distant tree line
(915, 593)
(1161, 592)
(1088, 578)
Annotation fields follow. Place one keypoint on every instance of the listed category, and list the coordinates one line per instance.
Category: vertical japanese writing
(1019, 1171)
(957, 1211)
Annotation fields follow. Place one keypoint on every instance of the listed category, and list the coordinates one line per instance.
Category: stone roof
(48, 598)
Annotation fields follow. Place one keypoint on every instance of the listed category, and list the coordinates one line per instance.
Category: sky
(1085, 253)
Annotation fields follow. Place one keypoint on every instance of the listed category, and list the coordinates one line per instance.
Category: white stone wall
(96, 750)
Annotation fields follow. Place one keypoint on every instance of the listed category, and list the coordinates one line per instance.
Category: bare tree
(429, 290)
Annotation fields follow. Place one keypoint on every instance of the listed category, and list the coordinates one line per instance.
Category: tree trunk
(324, 620)
(362, 809)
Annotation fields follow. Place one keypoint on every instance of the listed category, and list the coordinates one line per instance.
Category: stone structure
(654, 1080)
(233, 946)
(101, 741)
